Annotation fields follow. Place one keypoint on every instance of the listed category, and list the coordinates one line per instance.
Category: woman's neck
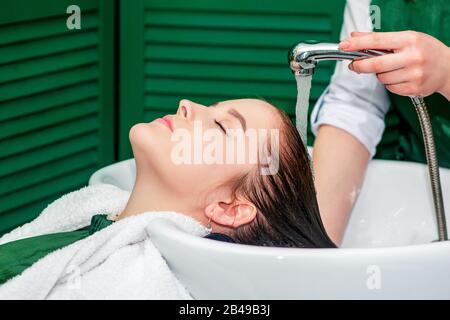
(149, 195)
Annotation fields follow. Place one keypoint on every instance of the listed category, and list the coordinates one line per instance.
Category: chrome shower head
(303, 57)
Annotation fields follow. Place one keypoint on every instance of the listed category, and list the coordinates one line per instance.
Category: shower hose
(433, 166)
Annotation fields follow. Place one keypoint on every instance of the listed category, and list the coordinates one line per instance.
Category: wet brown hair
(287, 210)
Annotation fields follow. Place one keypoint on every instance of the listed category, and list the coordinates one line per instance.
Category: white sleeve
(356, 103)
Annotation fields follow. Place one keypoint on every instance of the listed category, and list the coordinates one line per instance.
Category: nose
(185, 109)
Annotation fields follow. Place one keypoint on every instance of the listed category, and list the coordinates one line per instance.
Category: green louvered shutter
(212, 50)
(56, 102)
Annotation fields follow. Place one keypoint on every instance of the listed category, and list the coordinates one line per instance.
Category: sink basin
(387, 252)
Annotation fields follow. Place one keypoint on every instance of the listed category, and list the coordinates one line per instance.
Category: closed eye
(221, 127)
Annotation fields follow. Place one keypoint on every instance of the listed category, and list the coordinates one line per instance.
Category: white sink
(387, 252)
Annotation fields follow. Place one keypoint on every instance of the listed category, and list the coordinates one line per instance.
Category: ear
(233, 214)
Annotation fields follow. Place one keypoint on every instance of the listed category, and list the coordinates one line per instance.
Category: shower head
(303, 57)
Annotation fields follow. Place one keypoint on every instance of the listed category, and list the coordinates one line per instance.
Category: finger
(385, 63)
(359, 33)
(394, 77)
(375, 40)
(403, 89)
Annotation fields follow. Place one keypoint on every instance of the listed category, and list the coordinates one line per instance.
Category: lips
(167, 121)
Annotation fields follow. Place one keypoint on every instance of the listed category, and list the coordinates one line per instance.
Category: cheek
(196, 179)
(152, 149)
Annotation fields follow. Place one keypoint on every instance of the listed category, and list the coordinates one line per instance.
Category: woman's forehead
(250, 107)
(247, 102)
(258, 113)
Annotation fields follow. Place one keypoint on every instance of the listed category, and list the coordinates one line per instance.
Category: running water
(301, 108)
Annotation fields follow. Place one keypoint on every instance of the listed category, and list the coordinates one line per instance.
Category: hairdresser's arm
(340, 162)
(348, 121)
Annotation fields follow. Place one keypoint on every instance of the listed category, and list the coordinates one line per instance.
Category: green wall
(60, 89)
(56, 102)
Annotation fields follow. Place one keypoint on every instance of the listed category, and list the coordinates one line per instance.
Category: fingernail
(344, 44)
(350, 66)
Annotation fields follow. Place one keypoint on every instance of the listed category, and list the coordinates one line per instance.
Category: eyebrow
(239, 116)
(235, 114)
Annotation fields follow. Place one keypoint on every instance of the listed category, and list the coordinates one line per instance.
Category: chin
(143, 138)
(150, 148)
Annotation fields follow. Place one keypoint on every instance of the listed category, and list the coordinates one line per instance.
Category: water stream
(301, 107)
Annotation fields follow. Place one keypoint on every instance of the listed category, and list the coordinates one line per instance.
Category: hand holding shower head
(303, 58)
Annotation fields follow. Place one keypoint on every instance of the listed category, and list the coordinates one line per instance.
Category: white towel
(118, 262)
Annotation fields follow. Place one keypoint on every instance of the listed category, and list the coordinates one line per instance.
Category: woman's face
(190, 154)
